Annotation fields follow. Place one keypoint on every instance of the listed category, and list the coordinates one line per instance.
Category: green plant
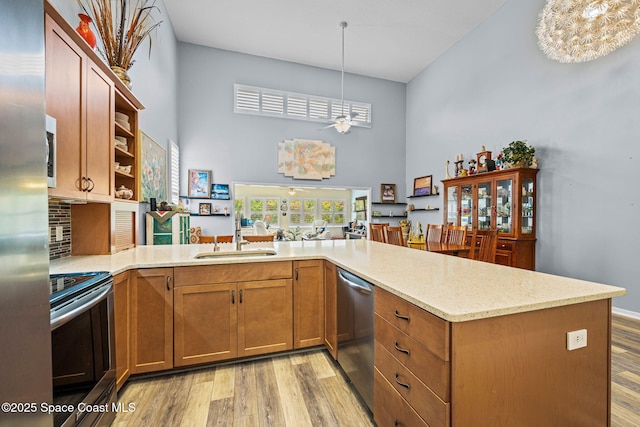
(518, 152)
(122, 27)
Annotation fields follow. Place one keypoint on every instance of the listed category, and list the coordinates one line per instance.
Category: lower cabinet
(219, 318)
(151, 319)
(308, 297)
(122, 316)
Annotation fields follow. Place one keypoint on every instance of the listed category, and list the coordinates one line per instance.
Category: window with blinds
(298, 106)
(174, 174)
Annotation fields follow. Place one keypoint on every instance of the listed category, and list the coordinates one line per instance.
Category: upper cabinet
(504, 200)
(83, 95)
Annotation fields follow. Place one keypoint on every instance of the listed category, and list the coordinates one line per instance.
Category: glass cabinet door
(466, 206)
(504, 198)
(484, 206)
(528, 220)
(452, 205)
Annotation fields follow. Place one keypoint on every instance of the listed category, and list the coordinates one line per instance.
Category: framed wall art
(220, 191)
(199, 184)
(387, 193)
(205, 209)
(153, 170)
(422, 186)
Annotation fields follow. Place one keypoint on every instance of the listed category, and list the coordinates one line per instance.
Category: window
(302, 212)
(333, 211)
(298, 106)
(174, 174)
(264, 209)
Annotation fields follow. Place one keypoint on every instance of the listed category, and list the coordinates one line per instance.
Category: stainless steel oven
(82, 347)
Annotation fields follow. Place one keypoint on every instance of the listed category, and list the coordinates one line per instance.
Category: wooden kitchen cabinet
(504, 200)
(80, 96)
(151, 319)
(122, 315)
(479, 372)
(236, 310)
(331, 308)
(308, 297)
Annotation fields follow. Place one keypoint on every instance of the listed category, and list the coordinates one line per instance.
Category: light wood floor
(308, 390)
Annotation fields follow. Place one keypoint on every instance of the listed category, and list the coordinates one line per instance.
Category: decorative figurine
(472, 167)
(447, 176)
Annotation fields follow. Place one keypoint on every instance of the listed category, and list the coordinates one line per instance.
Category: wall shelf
(213, 214)
(425, 195)
(388, 204)
(387, 216)
(432, 209)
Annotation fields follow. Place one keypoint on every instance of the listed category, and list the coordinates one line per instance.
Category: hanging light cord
(343, 25)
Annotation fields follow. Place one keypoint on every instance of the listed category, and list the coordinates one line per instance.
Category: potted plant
(122, 28)
(518, 154)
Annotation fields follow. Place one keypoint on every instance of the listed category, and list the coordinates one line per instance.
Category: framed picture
(152, 176)
(205, 208)
(220, 191)
(199, 184)
(422, 186)
(387, 193)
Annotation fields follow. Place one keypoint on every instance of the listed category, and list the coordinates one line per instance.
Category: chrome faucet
(216, 248)
(239, 241)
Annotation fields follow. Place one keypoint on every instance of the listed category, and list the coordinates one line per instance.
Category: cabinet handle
(405, 385)
(401, 350)
(233, 297)
(91, 186)
(296, 273)
(85, 184)
(168, 281)
(240, 296)
(399, 316)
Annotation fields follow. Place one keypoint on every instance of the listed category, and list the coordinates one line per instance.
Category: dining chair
(456, 234)
(261, 238)
(376, 232)
(220, 239)
(436, 233)
(486, 243)
(394, 236)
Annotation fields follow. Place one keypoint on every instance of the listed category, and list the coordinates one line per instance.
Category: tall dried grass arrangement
(122, 28)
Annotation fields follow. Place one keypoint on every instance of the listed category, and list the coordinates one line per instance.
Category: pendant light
(343, 121)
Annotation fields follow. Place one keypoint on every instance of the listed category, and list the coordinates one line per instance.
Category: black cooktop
(65, 285)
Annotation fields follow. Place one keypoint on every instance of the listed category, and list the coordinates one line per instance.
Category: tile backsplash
(59, 216)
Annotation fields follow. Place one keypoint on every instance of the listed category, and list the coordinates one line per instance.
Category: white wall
(496, 86)
(243, 148)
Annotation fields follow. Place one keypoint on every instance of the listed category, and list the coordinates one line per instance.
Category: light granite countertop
(455, 289)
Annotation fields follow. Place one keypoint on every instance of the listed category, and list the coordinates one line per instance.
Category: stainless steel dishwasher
(355, 332)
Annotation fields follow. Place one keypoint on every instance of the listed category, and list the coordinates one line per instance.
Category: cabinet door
(205, 322)
(122, 315)
(265, 317)
(308, 297)
(331, 308)
(99, 153)
(466, 206)
(453, 208)
(504, 206)
(64, 70)
(484, 205)
(152, 319)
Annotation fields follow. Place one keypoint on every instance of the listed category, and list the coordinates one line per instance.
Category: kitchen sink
(242, 253)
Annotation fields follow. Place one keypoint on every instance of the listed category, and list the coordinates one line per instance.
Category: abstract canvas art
(306, 159)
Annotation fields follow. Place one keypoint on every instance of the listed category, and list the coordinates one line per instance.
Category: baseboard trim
(626, 313)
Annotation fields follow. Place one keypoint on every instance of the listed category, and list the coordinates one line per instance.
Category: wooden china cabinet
(505, 200)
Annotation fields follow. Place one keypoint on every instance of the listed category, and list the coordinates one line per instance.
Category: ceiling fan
(343, 122)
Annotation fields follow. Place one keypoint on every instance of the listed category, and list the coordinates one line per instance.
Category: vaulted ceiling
(388, 39)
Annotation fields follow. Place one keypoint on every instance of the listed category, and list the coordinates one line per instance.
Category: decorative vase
(122, 75)
(84, 30)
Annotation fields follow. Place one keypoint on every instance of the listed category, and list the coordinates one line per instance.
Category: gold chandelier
(583, 30)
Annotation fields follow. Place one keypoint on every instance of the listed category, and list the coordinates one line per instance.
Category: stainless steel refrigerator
(25, 337)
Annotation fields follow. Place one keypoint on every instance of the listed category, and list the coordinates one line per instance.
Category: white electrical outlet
(576, 339)
(59, 236)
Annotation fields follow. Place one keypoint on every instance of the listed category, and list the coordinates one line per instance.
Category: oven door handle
(79, 305)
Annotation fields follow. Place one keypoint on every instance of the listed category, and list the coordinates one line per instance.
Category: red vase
(84, 30)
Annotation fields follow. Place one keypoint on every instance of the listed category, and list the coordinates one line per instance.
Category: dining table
(448, 248)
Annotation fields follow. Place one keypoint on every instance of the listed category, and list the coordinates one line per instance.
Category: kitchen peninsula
(500, 333)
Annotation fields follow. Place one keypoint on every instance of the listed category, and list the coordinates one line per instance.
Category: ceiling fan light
(342, 124)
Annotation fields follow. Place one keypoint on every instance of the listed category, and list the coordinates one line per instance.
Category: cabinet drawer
(389, 408)
(504, 245)
(229, 273)
(427, 329)
(429, 368)
(433, 410)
